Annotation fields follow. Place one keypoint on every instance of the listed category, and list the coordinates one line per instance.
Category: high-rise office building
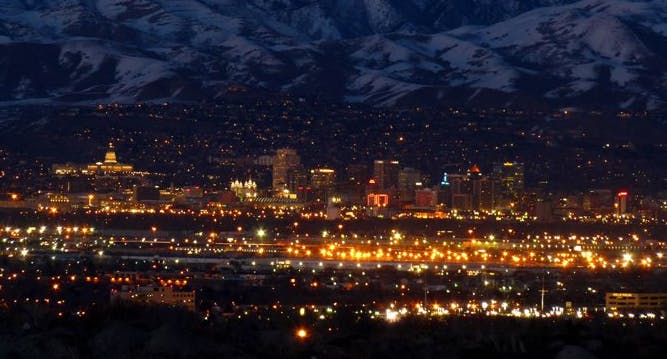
(460, 192)
(621, 203)
(510, 177)
(409, 180)
(386, 173)
(285, 160)
(322, 178)
(352, 186)
(297, 186)
(482, 190)
(357, 173)
(323, 181)
(470, 191)
(425, 197)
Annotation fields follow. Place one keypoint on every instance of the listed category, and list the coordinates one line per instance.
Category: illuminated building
(14, 200)
(110, 164)
(621, 203)
(409, 179)
(190, 196)
(386, 174)
(193, 192)
(425, 198)
(357, 173)
(322, 181)
(152, 294)
(377, 200)
(597, 200)
(544, 211)
(297, 185)
(333, 208)
(285, 160)
(482, 190)
(244, 190)
(470, 191)
(627, 301)
(264, 160)
(461, 201)
(444, 192)
(445, 180)
(353, 188)
(67, 202)
(461, 198)
(322, 178)
(510, 177)
(372, 186)
(223, 198)
(68, 169)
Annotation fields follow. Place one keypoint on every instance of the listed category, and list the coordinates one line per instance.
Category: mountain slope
(589, 53)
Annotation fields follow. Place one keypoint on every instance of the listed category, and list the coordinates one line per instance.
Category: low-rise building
(626, 301)
(154, 294)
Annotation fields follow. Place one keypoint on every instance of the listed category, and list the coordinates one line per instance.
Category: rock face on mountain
(591, 53)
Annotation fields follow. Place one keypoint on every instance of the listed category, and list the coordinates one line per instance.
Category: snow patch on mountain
(380, 51)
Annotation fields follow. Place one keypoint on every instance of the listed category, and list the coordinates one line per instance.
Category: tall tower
(510, 176)
(285, 160)
(621, 203)
(408, 181)
(322, 181)
(482, 190)
(322, 178)
(386, 174)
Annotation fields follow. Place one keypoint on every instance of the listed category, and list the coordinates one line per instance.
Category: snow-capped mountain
(590, 53)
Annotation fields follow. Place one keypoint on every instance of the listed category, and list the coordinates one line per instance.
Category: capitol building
(110, 164)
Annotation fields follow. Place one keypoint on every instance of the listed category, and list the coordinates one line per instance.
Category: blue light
(444, 181)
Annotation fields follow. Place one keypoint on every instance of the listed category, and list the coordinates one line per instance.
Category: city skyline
(333, 179)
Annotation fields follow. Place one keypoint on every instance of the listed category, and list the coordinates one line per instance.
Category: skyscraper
(510, 177)
(621, 203)
(286, 159)
(460, 192)
(322, 178)
(322, 181)
(482, 190)
(386, 174)
(297, 185)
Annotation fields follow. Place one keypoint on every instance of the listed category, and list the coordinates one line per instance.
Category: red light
(622, 194)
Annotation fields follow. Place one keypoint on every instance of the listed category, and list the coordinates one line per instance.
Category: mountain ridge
(591, 53)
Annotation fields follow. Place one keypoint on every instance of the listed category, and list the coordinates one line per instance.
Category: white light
(391, 315)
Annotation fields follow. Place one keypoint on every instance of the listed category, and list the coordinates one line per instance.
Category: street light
(301, 333)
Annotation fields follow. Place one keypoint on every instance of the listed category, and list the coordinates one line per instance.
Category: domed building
(110, 164)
